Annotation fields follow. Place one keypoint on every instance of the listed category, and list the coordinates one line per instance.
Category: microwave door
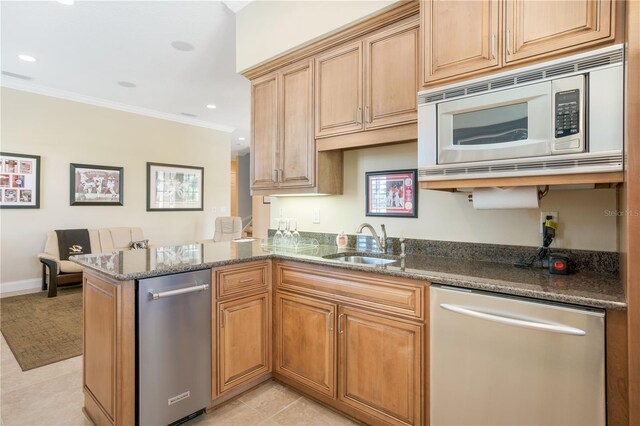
(512, 123)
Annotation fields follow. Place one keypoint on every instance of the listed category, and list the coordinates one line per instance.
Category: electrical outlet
(223, 210)
(315, 215)
(543, 218)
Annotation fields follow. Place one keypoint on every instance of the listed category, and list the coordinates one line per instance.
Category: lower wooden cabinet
(380, 366)
(305, 341)
(244, 336)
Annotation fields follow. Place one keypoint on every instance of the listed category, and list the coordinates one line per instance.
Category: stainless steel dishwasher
(173, 347)
(500, 360)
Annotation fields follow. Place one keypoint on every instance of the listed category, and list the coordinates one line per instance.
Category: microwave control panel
(567, 107)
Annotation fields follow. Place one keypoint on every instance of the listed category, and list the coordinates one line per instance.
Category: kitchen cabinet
(305, 341)
(380, 365)
(339, 79)
(244, 329)
(376, 350)
(108, 349)
(283, 150)
(241, 324)
(367, 85)
(459, 38)
(534, 28)
(462, 39)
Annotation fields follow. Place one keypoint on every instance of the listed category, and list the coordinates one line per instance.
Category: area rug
(42, 330)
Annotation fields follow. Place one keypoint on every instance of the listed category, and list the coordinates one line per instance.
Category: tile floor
(52, 395)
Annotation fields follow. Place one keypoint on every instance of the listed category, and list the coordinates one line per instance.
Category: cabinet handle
(280, 174)
(367, 115)
(223, 318)
(274, 175)
(246, 280)
(330, 321)
(340, 323)
(493, 45)
(359, 115)
(508, 41)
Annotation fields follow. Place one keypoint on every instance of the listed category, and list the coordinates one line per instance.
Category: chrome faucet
(381, 242)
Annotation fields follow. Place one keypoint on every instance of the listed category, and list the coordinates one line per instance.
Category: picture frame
(392, 193)
(93, 185)
(172, 187)
(19, 181)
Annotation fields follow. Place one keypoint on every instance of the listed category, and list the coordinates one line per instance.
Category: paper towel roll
(521, 197)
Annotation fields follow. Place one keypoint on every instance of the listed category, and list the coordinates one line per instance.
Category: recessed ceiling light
(211, 106)
(182, 45)
(241, 138)
(66, 2)
(27, 58)
(127, 84)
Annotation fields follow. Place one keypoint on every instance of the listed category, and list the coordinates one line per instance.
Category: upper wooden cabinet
(283, 154)
(462, 39)
(391, 76)
(535, 28)
(370, 83)
(339, 90)
(459, 37)
(264, 131)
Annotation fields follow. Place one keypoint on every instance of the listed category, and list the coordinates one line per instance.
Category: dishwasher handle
(163, 294)
(553, 328)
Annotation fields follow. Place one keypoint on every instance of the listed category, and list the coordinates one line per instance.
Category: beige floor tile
(305, 412)
(270, 398)
(235, 413)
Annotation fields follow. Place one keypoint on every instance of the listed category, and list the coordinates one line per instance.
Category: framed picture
(19, 181)
(392, 193)
(95, 185)
(171, 187)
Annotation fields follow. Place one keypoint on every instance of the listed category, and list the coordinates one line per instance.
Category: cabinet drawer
(243, 278)
(391, 294)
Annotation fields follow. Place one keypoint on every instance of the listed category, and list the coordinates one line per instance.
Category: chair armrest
(47, 258)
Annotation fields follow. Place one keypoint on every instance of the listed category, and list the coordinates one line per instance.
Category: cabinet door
(264, 132)
(459, 37)
(100, 306)
(339, 81)
(244, 349)
(380, 366)
(391, 76)
(297, 141)
(305, 341)
(536, 28)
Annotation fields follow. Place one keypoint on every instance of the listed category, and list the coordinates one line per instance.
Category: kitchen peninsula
(308, 318)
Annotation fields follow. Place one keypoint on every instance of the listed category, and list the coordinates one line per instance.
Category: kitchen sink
(366, 260)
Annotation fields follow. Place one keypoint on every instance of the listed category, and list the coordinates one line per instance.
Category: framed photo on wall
(19, 181)
(392, 193)
(171, 187)
(92, 185)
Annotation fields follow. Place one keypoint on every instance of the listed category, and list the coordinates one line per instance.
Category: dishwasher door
(500, 360)
(173, 347)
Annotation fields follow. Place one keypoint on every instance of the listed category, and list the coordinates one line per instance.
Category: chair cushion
(69, 267)
(228, 228)
(114, 239)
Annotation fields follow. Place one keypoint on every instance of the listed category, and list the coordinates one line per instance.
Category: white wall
(265, 29)
(64, 132)
(449, 216)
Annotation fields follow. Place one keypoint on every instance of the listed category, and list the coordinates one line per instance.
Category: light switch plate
(543, 217)
(315, 215)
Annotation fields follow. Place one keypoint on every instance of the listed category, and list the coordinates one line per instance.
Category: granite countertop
(600, 290)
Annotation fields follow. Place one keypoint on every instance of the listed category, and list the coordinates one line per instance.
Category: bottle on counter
(342, 240)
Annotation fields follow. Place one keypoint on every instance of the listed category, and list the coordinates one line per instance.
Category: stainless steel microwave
(559, 117)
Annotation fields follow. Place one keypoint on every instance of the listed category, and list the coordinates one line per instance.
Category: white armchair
(228, 228)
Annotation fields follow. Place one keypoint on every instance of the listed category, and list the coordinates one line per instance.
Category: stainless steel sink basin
(366, 260)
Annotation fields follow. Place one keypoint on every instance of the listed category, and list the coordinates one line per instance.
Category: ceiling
(83, 51)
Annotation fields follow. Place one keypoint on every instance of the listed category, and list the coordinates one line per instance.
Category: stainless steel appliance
(173, 347)
(499, 360)
(559, 117)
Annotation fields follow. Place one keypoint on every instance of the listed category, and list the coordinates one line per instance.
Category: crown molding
(25, 86)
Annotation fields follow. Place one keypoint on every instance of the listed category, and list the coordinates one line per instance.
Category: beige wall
(449, 216)
(64, 132)
(265, 29)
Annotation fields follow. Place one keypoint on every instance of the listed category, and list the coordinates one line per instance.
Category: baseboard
(23, 286)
